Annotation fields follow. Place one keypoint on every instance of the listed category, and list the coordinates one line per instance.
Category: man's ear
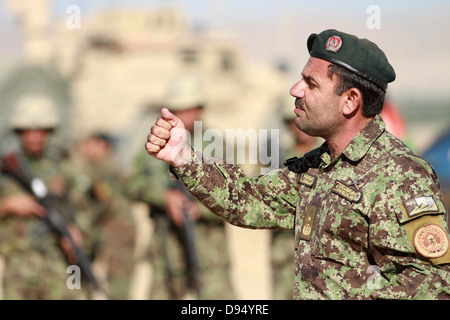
(353, 100)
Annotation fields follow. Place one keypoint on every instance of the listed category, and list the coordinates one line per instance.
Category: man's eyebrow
(308, 78)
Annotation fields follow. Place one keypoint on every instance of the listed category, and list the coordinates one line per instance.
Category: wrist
(185, 157)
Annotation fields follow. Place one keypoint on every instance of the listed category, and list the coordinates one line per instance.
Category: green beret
(359, 56)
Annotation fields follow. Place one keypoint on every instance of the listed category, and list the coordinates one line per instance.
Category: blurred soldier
(282, 241)
(105, 212)
(174, 275)
(36, 259)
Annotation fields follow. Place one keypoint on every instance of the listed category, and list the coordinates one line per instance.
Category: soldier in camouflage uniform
(36, 259)
(367, 212)
(103, 211)
(150, 182)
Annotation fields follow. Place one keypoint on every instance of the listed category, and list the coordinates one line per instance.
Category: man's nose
(298, 89)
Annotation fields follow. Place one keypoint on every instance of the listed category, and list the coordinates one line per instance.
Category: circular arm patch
(431, 241)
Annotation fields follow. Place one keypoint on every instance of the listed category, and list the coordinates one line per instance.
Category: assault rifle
(14, 165)
(188, 237)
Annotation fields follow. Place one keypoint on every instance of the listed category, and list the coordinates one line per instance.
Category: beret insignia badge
(431, 241)
(333, 44)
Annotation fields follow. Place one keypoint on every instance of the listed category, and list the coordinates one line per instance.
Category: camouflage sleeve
(266, 202)
(408, 235)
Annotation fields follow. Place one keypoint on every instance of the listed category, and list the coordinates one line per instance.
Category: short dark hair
(373, 96)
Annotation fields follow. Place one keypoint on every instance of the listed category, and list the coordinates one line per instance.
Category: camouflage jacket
(370, 224)
(22, 234)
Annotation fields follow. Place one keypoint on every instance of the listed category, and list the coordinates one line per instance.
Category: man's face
(316, 105)
(189, 116)
(95, 149)
(34, 141)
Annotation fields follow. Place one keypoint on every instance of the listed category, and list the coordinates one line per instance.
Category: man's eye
(311, 85)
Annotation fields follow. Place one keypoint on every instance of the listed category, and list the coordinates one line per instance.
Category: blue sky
(204, 11)
(200, 11)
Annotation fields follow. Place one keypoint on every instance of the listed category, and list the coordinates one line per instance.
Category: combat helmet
(34, 111)
(185, 91)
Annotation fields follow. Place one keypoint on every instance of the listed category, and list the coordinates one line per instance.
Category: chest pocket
(332, 217)
(343, 224)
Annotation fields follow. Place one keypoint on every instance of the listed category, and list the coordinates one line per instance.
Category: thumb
(171, 118)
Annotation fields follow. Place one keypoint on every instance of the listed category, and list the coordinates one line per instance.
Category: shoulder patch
(431, 241)
(418, 206)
